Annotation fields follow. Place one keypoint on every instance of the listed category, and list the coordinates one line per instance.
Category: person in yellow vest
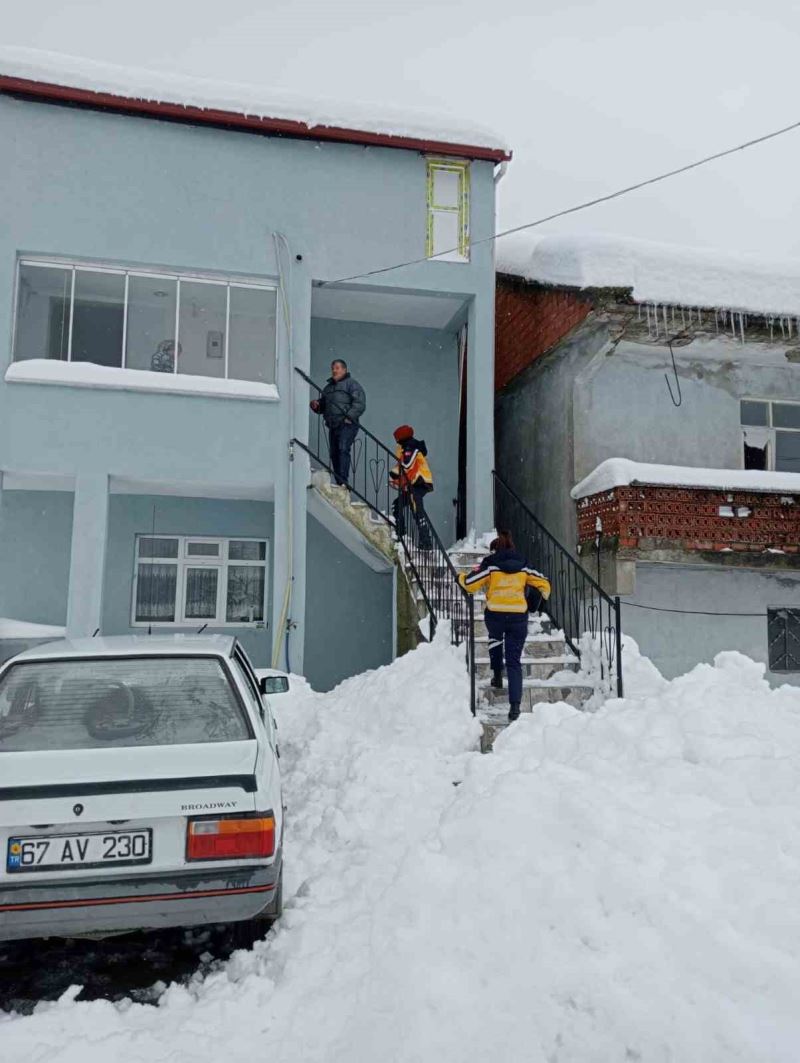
(506, 576)
(413, 479)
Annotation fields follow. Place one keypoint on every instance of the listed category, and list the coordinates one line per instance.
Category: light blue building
(167, 254)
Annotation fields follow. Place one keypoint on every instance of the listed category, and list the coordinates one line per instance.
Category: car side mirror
(273, 684)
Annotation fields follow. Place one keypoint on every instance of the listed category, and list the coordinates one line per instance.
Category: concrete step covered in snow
(538, 644)
(532, 667)
(574, 691)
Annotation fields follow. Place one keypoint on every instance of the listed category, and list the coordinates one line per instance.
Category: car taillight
(230, 837)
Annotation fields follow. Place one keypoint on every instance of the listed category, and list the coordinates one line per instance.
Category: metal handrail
(578, 604)
(431, 567)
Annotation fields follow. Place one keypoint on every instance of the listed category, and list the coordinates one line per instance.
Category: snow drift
(610, 886)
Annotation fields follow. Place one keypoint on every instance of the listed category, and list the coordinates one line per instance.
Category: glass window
(201, 329)
(245, 602)
(156, 586)
(150, 331)
(448, 211)
(755, 413)
(247, 550)
(251, 351)
(98, 317)
(182, 579)
(43, 312)
(787, 451)
(156, 322)
(150, 546)
(785, 415)
(101, 703)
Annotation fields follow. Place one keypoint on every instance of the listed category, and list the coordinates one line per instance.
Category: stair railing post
(618, 624)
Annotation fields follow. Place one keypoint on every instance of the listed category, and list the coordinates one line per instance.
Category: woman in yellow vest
(413, 479)
(506, 577)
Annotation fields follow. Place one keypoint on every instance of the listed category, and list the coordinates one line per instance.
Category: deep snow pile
(611, 886)
(657, 272)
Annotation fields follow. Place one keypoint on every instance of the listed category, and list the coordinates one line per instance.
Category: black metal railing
(426, 558)
(578, 605)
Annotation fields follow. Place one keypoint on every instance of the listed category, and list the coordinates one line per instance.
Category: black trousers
(413, 499)
(341, 439)
(511, 629)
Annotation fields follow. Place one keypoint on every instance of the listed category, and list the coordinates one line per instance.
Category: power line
(580, 206)
(692, 612)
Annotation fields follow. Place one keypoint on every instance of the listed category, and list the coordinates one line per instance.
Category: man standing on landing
(341, 404)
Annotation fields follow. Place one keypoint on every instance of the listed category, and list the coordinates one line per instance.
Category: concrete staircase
(549, 668)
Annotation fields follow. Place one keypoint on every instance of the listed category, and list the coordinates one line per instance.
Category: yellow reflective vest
(505, 590)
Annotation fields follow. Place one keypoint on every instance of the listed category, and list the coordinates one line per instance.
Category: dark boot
(513, 712)
(497, 680)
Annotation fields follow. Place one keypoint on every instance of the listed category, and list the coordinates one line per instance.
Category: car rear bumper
(136, 902)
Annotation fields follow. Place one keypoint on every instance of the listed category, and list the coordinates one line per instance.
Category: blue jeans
(341, 442)
(511, 629)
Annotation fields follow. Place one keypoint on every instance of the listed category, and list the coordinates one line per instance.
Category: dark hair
(339, 361)
(502, 542)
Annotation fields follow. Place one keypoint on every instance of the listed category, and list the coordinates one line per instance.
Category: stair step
(574, 693)
(564, 660)
(542, 684)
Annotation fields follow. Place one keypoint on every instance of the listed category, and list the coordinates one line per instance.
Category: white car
(139, 788)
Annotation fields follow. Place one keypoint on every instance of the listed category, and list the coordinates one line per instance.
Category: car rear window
(102, 702)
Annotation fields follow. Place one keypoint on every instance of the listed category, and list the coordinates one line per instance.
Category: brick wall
(694, 519)
(530, 321)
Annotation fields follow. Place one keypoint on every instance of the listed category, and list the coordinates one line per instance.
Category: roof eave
(266, 126)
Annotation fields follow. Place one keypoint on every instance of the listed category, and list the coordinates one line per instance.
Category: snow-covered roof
(657, 273)
(621, 472)
(133, 646)
(272, 110)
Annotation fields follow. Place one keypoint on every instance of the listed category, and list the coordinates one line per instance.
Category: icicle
(771, 321)
(789, 326)
(683, 319)
(673, 319)
(639, 311)
(655, 317)
(741, 326)
(666, 324)
(783, 330)
(647, 308)
(733, 325)
(716, 320)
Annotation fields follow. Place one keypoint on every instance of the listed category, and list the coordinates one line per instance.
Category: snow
(658, 273)
(254, 100)
(622, 472)
(89, 375)
(24, 629)
(617, 885)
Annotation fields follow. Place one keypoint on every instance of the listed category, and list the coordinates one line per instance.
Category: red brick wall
(528, 322)
(691, 518)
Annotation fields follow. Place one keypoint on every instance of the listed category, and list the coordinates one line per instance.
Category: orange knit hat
(405, 431)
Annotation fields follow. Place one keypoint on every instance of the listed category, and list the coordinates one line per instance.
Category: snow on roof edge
(138, 83)
(659, 273)
(622, 472)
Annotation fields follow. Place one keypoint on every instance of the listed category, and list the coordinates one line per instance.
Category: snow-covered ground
(611, 886)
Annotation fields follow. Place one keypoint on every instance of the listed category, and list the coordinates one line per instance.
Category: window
(139, 320)
(191, 580)
(132, 701)
(448, 210)
(783, 637)
(771, 434)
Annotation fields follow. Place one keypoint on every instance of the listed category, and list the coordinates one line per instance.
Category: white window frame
(766, 432)
(460, 167)
(155, 274)
(185, 561)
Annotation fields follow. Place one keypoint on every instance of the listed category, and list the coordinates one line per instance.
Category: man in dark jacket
(341, 404)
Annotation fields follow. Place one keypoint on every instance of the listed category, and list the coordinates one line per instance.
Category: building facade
(164, 271)
(659, 440)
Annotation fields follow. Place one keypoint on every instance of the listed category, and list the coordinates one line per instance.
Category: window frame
(75, 266)
(461, 167)
(777, 609)
(770, 432)
(185, 561)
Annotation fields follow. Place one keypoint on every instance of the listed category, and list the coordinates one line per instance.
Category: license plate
(61, 852)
